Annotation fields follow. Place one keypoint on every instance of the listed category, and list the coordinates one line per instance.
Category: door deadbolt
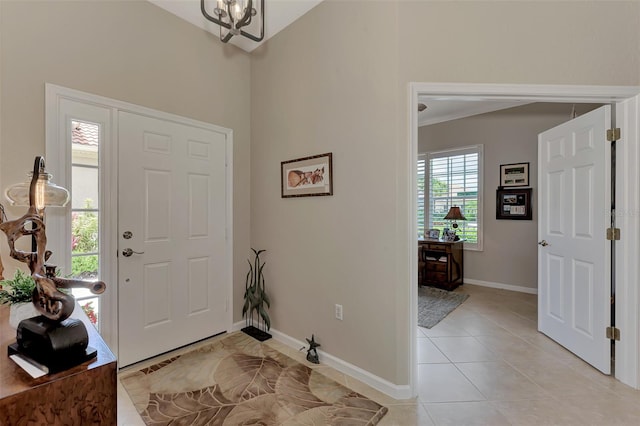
(128, 252)
(127, 235)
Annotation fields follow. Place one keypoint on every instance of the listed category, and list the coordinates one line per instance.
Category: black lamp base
(52, 346)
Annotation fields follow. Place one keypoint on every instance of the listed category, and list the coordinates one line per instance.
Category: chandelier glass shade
(234, 15)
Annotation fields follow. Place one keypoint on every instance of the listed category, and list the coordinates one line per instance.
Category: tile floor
(485, 364)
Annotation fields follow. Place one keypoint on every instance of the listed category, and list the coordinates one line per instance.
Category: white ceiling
(445, 109)
(278, 14)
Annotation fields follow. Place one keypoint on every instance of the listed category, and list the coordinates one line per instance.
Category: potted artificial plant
(17, 293)
(255, 299)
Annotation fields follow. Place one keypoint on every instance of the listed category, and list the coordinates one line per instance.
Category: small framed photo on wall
(514, 174)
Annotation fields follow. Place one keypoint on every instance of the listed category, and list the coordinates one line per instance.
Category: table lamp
(51, 340)
(453, 215)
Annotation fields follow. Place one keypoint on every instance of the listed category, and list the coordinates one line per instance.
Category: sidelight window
(85, 213)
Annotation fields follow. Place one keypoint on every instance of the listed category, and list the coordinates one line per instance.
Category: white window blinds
(455, 179)
(422, 216)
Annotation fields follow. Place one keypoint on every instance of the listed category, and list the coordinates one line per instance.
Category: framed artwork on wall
(307, 177)
(514, 174)
(514, 204)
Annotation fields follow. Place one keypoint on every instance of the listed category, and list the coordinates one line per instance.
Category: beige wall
(510, 254)
(317, 91)
(337, 81)
(127, 50)
(334, 81)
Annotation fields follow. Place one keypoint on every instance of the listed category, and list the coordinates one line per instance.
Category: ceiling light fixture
(235, 15)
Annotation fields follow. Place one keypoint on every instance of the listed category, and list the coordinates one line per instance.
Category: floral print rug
(237, 380)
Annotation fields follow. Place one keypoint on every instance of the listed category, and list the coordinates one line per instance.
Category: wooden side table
(82, 395)
(443, 263)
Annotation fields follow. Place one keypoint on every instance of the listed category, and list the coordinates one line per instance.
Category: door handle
(128, 252)
(543, 243)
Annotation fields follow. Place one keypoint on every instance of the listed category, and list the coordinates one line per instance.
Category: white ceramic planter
(21, 311)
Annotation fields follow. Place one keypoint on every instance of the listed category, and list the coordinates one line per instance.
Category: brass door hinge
(613, 134)
(613, 333)
(613, 234)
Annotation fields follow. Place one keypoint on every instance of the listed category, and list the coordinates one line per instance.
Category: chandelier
(233, 15)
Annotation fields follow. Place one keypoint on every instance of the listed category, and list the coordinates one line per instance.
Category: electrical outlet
(339, 312)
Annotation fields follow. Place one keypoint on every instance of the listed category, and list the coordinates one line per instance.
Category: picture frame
(449, 235)
(433, 234)
(516, 174)
(307, 177)
(514, 204)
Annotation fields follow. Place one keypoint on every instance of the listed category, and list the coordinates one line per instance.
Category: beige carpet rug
(435, 304)
(239, 381)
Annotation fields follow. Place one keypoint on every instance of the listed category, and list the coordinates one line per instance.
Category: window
(421, 195)
(85, 213)
(451, 178)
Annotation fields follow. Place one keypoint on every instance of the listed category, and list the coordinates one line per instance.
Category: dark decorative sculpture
(312, 353)
(255, 299)
(51, 339)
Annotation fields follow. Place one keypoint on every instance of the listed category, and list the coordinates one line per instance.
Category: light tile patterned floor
(485, 364)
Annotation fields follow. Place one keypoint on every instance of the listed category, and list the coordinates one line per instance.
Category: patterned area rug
(239, 381)
(435, 304)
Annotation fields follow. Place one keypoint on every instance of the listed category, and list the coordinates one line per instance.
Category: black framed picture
(514, 174)
(514, 204)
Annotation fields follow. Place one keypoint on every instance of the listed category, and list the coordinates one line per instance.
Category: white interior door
(172, 201)
(574, 256)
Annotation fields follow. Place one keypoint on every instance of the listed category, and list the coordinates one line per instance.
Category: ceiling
(278, 15)
(445, 109)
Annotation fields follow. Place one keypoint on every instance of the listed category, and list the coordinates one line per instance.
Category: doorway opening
(626, 105)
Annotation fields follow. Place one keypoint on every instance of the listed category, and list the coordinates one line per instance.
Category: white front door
(172, 215)
(574, 256)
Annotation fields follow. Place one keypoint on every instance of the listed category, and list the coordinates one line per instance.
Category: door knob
(543, 243)
(128, 252)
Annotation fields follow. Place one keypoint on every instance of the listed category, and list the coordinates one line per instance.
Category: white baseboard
(237, 326)
(378, 383)
(501, 286)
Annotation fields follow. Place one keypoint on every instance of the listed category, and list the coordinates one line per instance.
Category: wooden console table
(82, 395)
(442, 263)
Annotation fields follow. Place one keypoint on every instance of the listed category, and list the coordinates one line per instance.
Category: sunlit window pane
(84, 267)
(91, 308)
(84, 232)
(84, 187)
(85, 218)
(451, 178)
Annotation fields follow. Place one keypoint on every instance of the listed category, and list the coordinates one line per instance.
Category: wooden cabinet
(441, 263)
(82, 395)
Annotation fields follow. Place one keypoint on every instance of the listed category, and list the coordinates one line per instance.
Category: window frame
(470, 149)
(421, 196)
(63, 106)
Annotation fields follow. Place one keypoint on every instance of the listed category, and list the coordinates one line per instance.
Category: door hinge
(613, 134)
(613, 234)
(613, 333)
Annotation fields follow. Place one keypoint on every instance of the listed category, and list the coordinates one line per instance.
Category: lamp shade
(455, 214)
(48, 194)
